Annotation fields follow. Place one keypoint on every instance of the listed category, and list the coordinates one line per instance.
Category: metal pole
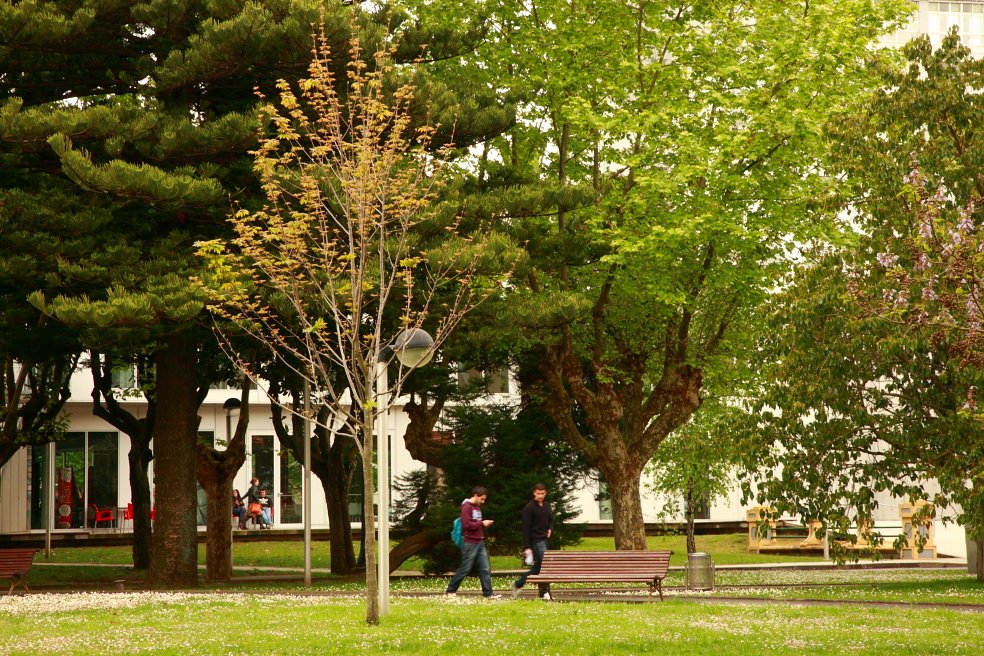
(234, 524)
(382, 471)
(307, 483)
(49, 493)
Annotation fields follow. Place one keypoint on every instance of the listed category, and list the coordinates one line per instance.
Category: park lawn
(725, 549)
(213, 624)
(903, 586)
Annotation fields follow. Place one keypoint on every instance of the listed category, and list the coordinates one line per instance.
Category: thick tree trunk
(175, 544)
(216, 471)
(336, 484)
(627, 423)
(627, 520)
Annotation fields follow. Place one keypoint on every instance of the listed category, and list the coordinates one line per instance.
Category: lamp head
(413, 347)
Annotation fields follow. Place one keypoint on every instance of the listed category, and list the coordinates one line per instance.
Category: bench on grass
(14, 565)
(647, 567)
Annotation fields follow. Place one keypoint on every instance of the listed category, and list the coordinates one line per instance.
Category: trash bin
(700, 571)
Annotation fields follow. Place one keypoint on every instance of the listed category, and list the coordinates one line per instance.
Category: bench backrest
(653, 563)
(16, 561)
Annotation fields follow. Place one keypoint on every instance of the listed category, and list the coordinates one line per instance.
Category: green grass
(190, 625)
(263, 616)
(726, 549)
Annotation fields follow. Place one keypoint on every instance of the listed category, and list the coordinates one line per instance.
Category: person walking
(473, 550)
(537, 529)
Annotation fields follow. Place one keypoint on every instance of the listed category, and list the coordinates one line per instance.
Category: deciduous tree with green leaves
(874, 346)
(695, 465)
(664, 160)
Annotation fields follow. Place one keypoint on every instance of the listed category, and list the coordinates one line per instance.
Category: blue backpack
(456, 535)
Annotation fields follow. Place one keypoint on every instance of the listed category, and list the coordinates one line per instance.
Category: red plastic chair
(128, 514)
(98, 514)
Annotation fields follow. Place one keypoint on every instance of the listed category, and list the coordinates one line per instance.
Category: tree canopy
(664, 156)
(872, 355)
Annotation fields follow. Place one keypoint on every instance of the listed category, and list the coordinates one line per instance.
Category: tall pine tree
(148, 109)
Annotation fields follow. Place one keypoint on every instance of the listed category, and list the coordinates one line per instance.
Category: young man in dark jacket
(473, 550)
(537, 528)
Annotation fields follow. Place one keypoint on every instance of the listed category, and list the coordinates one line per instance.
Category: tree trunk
(107, 407)
(175, 539)
(139, 459)
(627, 421)
(336, 484)
(333, 463)
(627, 520)
(369, 527)
(688, 511)
(218, 533)
(216, 471)
(980, 559)
(412, 545)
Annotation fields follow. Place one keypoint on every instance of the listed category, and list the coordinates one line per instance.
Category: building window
(291, 489)
(967, 17)
(204, 437)
(702, 508)
(86, 478)
(492, 382)
(124, 377)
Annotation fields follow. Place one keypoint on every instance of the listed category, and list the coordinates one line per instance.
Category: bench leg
(658, 585)
(15, 580)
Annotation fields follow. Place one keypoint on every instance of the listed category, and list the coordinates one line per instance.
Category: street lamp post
(229, 405)
(413, 347)
(306, 497)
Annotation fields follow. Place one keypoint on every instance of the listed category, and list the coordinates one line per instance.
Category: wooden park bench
(647, 567)
(14, 565)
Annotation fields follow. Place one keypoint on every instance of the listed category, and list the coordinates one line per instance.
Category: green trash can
(700, 571)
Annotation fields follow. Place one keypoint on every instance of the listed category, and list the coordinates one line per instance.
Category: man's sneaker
(516, 591)
(450, 594)
(546, 597)
(493, 596)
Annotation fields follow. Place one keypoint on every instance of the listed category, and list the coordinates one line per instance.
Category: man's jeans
(473, 555)
(539, 548)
